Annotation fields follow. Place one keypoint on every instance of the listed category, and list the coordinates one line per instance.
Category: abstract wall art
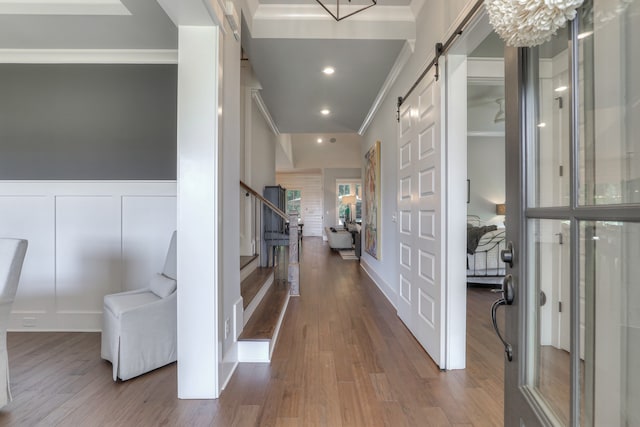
(372, 218)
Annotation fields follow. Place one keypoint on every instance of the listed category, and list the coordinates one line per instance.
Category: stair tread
(246, 260)
(250, 286)
(264, 321)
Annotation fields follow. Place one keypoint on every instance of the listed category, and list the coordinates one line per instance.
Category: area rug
(348, 254)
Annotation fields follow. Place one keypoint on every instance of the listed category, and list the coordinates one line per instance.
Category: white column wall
(198, 212)
(455, 212)
(231, 319)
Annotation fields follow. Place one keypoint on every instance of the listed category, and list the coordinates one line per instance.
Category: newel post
(294, 266)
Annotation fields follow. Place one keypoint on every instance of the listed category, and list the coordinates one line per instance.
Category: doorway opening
(476, 201)
(348, 201)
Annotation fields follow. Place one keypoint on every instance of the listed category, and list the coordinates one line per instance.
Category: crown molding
(88, 56)
(63, 7)
(401, 61)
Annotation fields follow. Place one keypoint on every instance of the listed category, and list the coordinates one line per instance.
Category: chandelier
(333, 8)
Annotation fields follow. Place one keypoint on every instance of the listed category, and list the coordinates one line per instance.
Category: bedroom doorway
(475, 135)
(484, 64)
(486, 209)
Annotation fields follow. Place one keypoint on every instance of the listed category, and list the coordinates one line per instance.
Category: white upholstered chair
(139, 327)
(12, 253)
(339, 239)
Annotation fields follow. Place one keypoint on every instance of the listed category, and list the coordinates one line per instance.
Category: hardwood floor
(343, 359)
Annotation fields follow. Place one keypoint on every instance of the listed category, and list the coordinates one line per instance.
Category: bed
(484, 243)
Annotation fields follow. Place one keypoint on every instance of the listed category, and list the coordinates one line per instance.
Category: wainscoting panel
(86, 239)
(147, 224)
(88, 252)
(32, 218)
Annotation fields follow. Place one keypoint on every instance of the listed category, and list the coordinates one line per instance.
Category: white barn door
(420, 206)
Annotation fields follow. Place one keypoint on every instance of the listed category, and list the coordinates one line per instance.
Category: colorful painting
(372, 201)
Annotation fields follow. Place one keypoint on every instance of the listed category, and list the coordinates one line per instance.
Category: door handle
(507, 299)
(507, 254)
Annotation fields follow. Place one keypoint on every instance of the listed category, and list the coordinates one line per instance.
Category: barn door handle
(507, 299)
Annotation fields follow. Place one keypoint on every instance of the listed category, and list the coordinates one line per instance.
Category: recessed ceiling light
(329, 70)
(541, 125)
(319, 140)
(325, 112)
(561, 88)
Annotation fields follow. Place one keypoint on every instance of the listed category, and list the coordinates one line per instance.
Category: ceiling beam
(310, 21)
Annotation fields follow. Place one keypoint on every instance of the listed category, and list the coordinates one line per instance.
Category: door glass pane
(550, 151)
(549, 313)
(609, 102)
(609, 260)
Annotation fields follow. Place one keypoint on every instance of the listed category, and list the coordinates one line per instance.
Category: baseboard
(254, 351)
(228, 366)
(238, 318)
(380, 282)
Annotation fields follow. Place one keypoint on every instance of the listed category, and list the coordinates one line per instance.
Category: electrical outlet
(227, 327)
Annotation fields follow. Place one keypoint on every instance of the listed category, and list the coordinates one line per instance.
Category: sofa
(339, 238)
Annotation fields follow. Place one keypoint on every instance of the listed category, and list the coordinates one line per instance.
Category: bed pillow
(162, 285)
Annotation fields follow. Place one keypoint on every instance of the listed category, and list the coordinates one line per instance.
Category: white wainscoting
(86, 239)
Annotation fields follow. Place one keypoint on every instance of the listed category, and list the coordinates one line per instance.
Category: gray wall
(88, 122)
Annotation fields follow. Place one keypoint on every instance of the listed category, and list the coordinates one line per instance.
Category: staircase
(265, 295)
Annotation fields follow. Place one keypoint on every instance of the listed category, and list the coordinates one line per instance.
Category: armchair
(12, 252)
(338, 239)
(139, 329)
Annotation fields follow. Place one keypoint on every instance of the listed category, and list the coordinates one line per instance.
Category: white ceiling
(295, 89)
(289, 42)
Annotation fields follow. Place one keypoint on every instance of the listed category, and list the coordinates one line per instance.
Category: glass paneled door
(572, 295)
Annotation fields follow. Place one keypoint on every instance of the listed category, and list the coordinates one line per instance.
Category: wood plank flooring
(343, 359)
(250, 286)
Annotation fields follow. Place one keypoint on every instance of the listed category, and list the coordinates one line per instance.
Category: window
(293, 201)
(349, 201)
